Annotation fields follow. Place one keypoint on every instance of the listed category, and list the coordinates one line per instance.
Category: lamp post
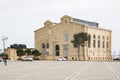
(0, 51)
(4, 39)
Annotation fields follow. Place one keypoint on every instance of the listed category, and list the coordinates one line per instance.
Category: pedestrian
(5, 60)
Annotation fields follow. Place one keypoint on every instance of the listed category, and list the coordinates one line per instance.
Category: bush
(19, 59)
(36, 58)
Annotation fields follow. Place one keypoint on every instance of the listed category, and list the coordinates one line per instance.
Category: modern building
(54, 40)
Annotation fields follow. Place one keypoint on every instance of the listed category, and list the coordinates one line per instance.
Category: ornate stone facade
(54, 40)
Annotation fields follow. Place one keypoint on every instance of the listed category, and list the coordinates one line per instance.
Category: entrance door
(57, 50)
(65, 51)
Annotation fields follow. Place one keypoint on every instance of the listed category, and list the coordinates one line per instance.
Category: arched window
(103, 43)
(107, 42)
(89, 41)
(43, 45)
(65, 21)
(66, 35)
(98, 36)
(94, 37)
(57, 50)
(94, 41)
(98, 41)
(47, 45)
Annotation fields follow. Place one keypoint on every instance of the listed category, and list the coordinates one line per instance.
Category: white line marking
(116, 73)
(72, 76)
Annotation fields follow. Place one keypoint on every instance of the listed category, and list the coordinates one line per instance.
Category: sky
(20, 18)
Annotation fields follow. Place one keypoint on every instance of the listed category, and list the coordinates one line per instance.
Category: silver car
(27, 59)
(61, 59)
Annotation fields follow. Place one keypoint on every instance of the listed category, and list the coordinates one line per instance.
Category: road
(60, 70)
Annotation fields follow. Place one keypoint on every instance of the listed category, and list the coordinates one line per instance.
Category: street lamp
(0, 51)
(4, 39)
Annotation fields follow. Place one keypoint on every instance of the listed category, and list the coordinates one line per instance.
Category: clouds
(24, 6)
(19, 18)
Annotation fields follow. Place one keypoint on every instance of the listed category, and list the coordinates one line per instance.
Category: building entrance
(65, 47)
(57, 50)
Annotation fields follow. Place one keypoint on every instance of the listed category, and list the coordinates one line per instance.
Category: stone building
(12, 55)
(54, 40)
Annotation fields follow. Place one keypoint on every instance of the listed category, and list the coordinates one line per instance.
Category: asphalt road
(60, 70)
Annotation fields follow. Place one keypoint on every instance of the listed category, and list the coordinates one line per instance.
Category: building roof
(84, 22)
(88, 24)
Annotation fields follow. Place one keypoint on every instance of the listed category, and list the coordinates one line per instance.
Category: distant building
(12, 55)
(54, 40)
(11, 51)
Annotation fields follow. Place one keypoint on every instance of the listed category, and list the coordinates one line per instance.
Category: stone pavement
(60, 70)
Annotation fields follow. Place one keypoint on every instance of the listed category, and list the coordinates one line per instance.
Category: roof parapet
(48, 23)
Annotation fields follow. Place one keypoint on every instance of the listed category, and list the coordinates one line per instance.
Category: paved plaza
(60, 70)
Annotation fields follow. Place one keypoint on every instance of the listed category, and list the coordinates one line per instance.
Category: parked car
(116, 59)
(27, 59)
(61, 59)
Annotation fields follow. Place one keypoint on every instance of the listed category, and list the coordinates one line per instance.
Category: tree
(3, 54)
(36, 53)
(28, 51)
(79, 40)
(18, 46)
(20, 52)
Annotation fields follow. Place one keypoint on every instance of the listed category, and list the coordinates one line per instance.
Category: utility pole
(0, 51)
(119, 54)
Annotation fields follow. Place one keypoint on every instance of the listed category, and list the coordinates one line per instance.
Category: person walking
(5, 60)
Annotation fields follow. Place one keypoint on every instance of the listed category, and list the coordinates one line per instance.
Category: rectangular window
(66, 35)
(103, 45)
(89, 43)
(43, 45)
(107, 44)
(98, 43)
(94, 44)
(47, 45)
